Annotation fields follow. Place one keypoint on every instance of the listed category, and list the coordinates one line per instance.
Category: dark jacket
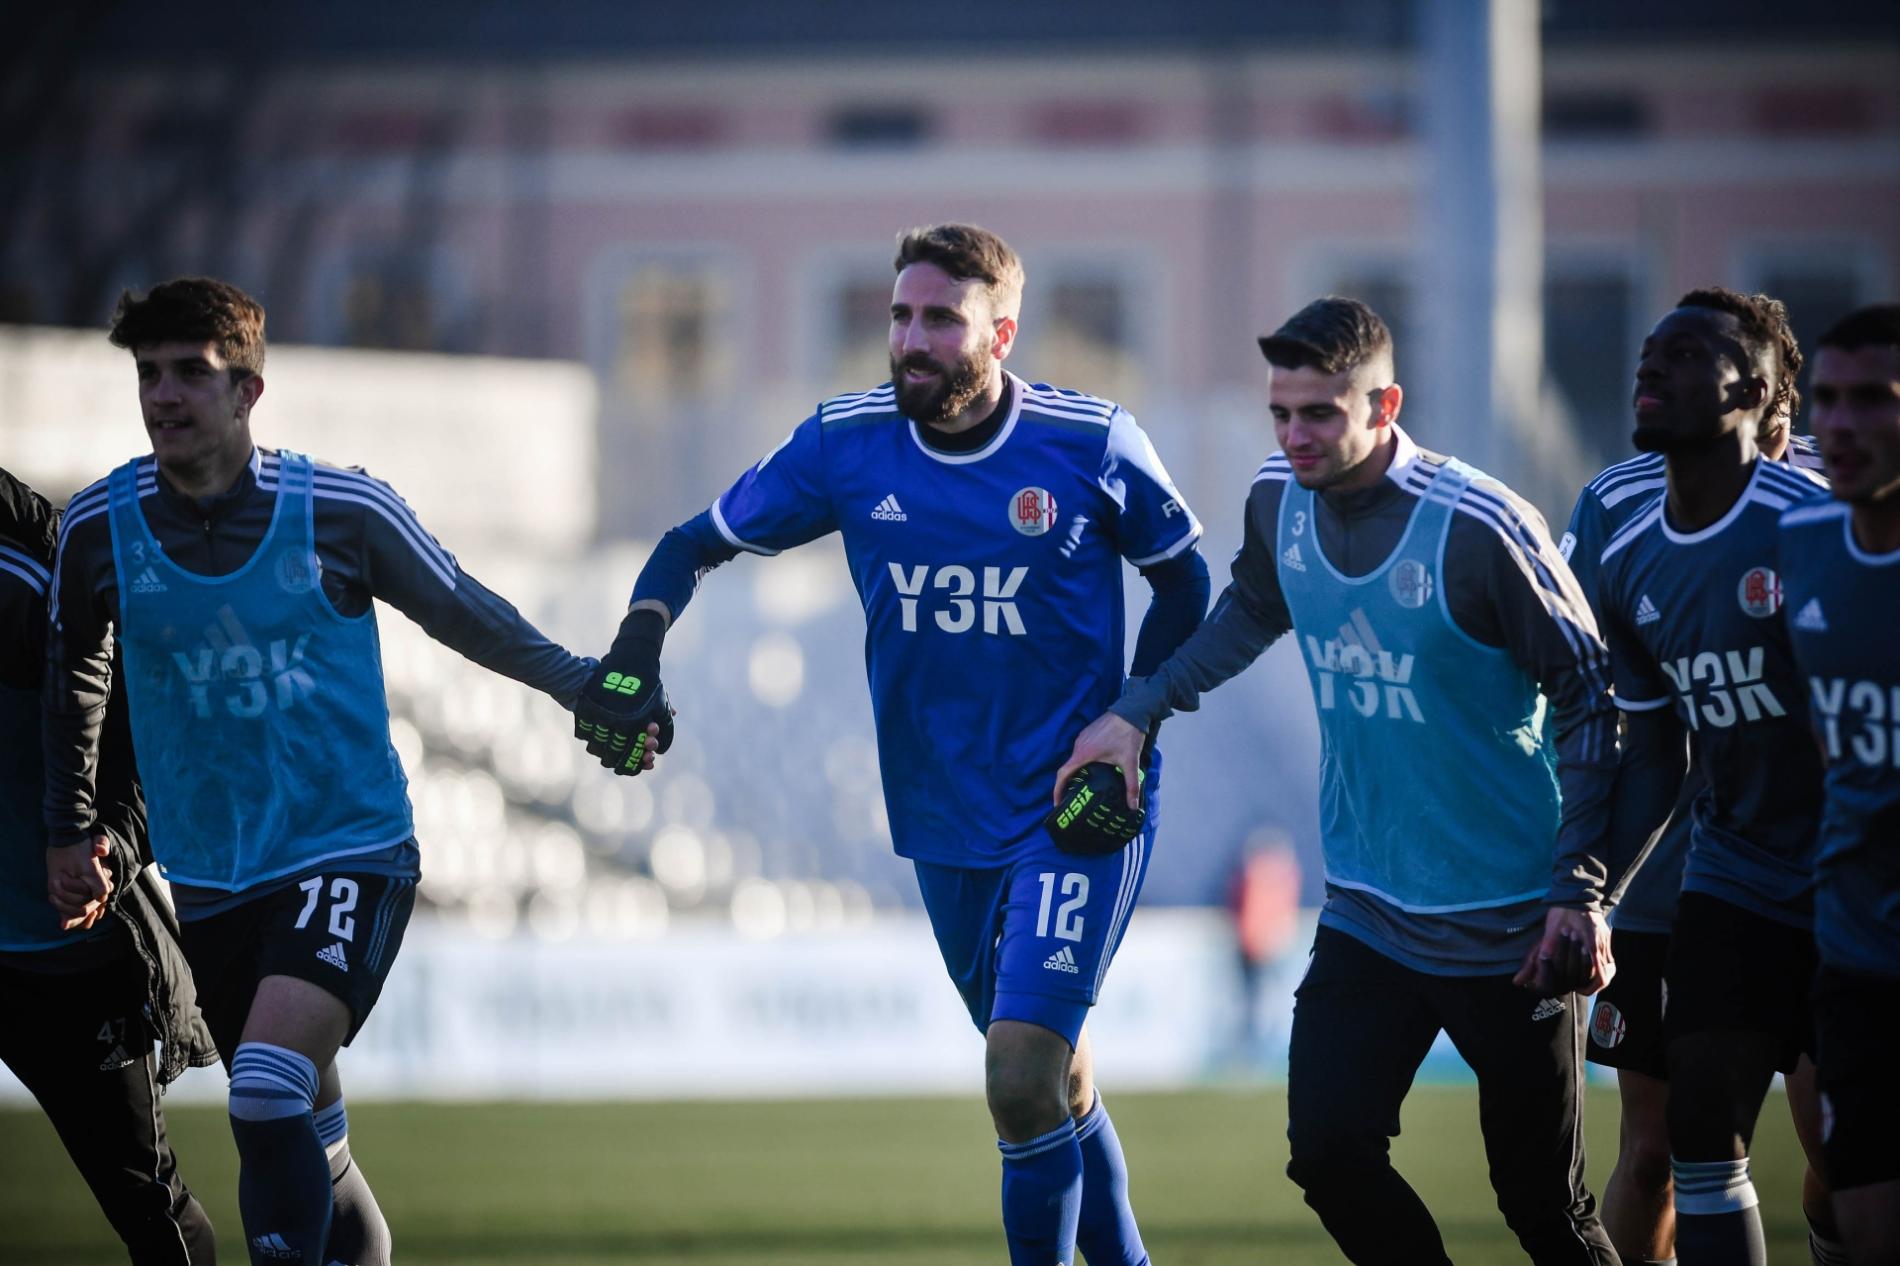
(30, 524)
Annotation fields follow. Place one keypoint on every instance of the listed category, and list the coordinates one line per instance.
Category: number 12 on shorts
(1068, 921)
(343, 892)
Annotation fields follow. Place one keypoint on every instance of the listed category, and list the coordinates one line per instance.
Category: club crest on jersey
(295, 572)
(1607, 1026)
(1411, 583)
(1032, 511)
(1760, 592)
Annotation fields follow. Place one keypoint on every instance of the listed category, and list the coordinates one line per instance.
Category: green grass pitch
(903, 1182)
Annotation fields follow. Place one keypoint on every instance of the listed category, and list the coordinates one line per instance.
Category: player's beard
(957, 386)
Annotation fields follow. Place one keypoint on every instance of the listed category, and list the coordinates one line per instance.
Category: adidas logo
(275, 1248)
(1646, 612)
(119, 1058)
(1547, 1008)
(889, 510)
(333, 955)
(1291, 560)
(1811, 618)
(147, 581)
(1062, 960)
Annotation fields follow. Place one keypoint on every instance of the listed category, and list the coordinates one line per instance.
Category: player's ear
(249, 388)
(1004, 338)
(1386, 403)
(1754, 389)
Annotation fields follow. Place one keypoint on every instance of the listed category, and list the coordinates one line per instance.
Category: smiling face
(198, 418)
(1856, 420)
(1695, 382)
(1331, 425)
(947, 343)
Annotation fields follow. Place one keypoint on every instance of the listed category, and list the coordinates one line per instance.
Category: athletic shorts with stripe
(1032, 941)
(338, 930)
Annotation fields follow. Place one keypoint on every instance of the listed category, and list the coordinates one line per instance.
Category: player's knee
(1323, 1160)
(1024, 1100)
(1705, 1124)
(1817, 1203)
(1081, 1094)
(1644, 1161)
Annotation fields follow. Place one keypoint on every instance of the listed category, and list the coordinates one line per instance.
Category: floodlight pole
(1481, 262)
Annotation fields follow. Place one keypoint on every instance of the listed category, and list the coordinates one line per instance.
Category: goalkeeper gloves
(625, 696)
(1094, 818)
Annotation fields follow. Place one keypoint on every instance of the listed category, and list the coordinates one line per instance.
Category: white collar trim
(1017, 388)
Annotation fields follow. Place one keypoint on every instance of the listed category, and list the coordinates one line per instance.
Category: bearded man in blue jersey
(985, 521)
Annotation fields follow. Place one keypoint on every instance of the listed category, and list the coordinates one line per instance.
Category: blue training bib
(1438, 784)
(258, 712)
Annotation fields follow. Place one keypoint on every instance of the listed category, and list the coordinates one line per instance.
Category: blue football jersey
(992, 590)
(1694, 622)
(1618, 494)
(1843, 606)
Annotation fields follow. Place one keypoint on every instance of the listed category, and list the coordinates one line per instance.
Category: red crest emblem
(1032, 511)
(1760, 592)
(1607, 1026)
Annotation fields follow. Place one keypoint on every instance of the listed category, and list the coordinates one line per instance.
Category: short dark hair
(1333, 335)
(966, 251)
(194, 310)
(1876, 325)
(1765, 334)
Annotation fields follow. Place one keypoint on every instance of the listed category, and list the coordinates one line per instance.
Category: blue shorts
(1031, 941)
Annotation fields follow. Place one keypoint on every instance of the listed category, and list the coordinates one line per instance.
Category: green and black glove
(1094, 818)
(624, 696)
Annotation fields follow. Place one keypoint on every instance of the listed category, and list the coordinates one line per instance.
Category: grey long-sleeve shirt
(370, 545)
(1506, 586)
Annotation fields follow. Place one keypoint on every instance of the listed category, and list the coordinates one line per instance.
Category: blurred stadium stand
(768, 810)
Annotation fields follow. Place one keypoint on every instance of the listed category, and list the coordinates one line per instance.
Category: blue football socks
(283, 1174)
(1106, 1231)
(1042, 1197)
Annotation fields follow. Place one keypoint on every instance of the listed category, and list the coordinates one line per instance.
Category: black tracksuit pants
(80, 1043)
(1362, 1024)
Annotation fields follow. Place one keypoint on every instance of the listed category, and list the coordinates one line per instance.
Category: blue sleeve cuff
(1181, 589)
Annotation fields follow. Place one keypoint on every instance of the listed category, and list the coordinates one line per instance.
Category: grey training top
(369, 545)
(1506, 586)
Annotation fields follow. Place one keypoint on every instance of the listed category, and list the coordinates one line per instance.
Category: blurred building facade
(700, 206)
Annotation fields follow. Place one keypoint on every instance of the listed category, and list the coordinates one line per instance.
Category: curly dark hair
(194, 310)
(1768, 338)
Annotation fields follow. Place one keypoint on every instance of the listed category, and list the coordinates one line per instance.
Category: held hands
(78, 883)
(1572, 957)
(622, 714)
